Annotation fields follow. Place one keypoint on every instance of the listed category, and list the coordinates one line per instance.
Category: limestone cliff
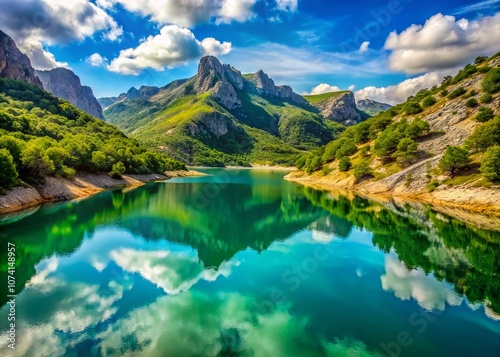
(265, 86)
(63, 83)
(14, 64)
(337, 106)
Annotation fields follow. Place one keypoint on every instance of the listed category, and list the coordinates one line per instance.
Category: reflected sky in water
(242, 263)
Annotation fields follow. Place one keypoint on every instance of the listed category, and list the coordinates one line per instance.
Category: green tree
(348, 148)
(14, 145)
(118, 170)
(35, 162)
(8, 173)
(362, 169)
(454, 159)
(485, 135)
(480, 59)
(406, 152)
(345, 164)
(490, 165)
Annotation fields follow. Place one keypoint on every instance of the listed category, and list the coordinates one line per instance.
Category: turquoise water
(243, 263)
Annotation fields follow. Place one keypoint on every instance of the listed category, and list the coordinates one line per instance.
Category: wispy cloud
(480, 6)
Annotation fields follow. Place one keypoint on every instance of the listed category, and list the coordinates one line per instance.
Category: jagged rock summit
(63, 83)
(337, 106)
(14, 64)
(265, 86)
(225, 82)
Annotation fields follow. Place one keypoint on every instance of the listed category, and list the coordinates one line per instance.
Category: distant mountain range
(221, 116)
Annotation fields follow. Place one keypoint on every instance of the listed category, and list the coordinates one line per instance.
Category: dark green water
(242, 263)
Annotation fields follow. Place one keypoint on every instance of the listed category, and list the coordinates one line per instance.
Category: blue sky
(378, 48)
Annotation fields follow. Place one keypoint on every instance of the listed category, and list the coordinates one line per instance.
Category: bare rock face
(265, 86)
(341, 108)
(14, 64)
(64, 84)
(215, 124)
(222, 80)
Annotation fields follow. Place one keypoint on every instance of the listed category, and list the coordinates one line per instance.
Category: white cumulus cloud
(187, 13)
(97, 60)
(171, 47)
(35, 23)
(398, 93)
(443, 42)
(327, 88)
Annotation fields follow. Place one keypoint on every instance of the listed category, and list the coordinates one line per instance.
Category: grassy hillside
(185, 124)
(455, 125)
(41, 135)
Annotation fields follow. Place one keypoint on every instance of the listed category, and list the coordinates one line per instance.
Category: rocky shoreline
(57, 189)
(459, 202)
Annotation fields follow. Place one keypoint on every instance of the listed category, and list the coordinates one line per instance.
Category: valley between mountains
(441, 146)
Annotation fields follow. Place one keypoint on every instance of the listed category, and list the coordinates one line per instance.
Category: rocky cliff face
(215, 124)
(372, 107)
(64, 84)
(340, 108)
(221, 80)
(14, 64)
(265, 86)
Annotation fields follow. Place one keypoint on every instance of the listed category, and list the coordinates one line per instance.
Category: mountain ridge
(65, 84)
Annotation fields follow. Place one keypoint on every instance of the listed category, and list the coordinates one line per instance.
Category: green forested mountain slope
(445, 136)
(221, 117)
(41, 135)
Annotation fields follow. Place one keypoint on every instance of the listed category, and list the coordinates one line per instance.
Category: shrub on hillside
(471, 103)
(486, 98)
(412, 108)
(491, 81)
(484, 114)
(490, 166)
(428, 101)
(454, 159)
(480, 59)
(362, 169)
(345, 164)
(485, 135)
(406, 152)
(457, 93)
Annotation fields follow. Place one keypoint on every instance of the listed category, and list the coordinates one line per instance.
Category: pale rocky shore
(478, 206)
(58, 189)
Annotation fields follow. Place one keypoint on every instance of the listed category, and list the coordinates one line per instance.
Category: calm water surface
(242, 263)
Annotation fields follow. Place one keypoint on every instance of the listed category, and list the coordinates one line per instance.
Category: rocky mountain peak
(340, 107)
(221, 79)
(266, 86)
(14, 64)
(65, 84)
